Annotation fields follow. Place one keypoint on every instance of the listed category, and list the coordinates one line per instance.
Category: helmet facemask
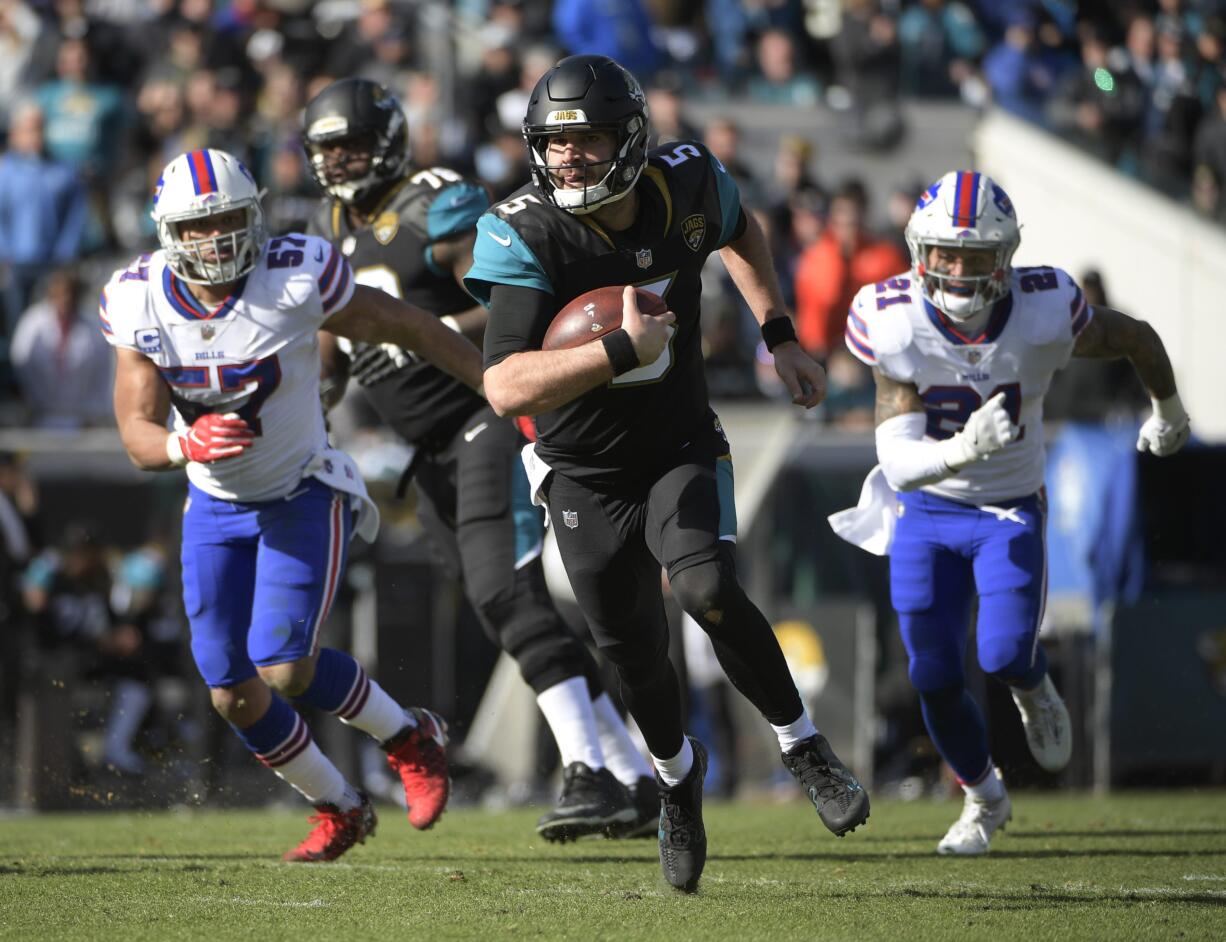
(962, 296)
(218, 259)
(625, 165)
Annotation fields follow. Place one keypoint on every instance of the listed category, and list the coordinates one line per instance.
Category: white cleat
(970, 834)
(1049, 732)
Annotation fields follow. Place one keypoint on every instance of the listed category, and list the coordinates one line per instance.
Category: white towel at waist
(340, 472)
(870, 524)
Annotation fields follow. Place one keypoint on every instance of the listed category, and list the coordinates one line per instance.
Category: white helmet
(205, 183)
(963, 209)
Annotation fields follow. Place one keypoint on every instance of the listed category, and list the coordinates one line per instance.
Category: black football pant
(475, 508)
(614, 548)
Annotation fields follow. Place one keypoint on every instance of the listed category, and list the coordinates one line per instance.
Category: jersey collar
(186, 303)
(948, 328)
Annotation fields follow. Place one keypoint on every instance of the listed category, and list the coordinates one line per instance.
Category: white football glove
(986, 432)
(1166, 430)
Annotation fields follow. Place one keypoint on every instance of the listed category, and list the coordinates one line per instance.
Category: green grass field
(1070, 867)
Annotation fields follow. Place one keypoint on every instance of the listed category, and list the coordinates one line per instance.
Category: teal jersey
(638, 424)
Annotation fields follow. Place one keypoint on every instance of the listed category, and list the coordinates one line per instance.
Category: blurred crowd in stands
(97, 95)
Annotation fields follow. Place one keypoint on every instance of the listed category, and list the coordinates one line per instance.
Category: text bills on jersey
(256, 354)
(1029, 335)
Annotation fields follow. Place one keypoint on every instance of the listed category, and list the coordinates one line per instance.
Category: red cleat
(417, 755)
(335, 832)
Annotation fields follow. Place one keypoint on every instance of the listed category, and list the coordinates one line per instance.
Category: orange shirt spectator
(834, 268)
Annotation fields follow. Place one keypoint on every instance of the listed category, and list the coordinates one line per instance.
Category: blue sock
(278, 736)
(956, 726)
(340, 685)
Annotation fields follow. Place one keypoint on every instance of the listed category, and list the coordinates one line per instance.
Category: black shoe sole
(568, 829)
(848, 826)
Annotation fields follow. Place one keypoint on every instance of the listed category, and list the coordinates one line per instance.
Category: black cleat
(683, 839)
(840, 800)
(591, 802)
(644, 797)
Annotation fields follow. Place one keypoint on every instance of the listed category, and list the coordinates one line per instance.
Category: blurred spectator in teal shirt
(42, 215)
(779, 80)
(937, 40)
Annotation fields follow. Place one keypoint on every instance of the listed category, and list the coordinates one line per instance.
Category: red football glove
(212, 437)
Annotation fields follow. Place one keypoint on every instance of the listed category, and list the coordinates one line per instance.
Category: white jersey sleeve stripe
(1080, 312)
(343, 291)
(856, 338)
(102, 313)
(329, 272)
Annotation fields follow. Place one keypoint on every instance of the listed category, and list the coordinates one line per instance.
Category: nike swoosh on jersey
(505, 243)
(475, 431)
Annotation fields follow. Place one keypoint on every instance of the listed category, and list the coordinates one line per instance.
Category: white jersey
(255, 354)
(1029, 335)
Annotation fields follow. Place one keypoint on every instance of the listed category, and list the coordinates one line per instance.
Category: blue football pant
(260, 578)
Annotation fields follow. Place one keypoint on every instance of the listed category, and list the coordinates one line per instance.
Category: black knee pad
(523, 621)
(706, 591)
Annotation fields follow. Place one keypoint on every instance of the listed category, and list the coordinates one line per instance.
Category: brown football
(594, 314)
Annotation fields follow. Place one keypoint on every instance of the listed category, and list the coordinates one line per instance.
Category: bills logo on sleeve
(149, 340)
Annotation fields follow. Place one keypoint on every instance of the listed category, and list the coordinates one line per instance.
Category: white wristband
(174, 450)
(1169, 409)
(449, 321)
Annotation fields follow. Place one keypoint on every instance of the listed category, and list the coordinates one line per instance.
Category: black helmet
(588, 93)
(367, 114)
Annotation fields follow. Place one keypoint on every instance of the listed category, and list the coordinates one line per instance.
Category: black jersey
(395, 253)
(622, 434)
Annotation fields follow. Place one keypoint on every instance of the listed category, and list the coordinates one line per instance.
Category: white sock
(381, 716)
(795, 732)
(568, 711)
(673, 771)
(988, 788)
(313, 775)
(623, 758)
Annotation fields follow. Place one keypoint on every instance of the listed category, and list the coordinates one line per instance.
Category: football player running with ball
(410, 231)
(963, 348)
(631, 462)
(220, 326)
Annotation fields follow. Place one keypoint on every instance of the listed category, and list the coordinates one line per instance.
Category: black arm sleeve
(518, 320)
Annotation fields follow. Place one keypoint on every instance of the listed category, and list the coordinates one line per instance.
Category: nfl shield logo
(207, 332)
(643, 257)
(570, 518)
(973, 357)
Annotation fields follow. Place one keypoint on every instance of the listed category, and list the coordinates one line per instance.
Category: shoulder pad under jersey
(879, 328)
(1052, 307)
(310, 264)
(441, 204)
(122, 306)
